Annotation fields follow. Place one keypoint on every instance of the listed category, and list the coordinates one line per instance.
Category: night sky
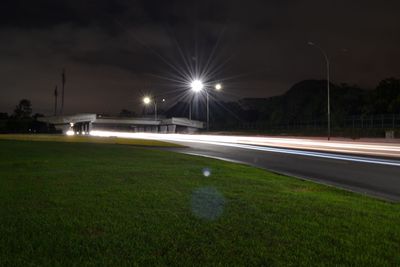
(115, 51)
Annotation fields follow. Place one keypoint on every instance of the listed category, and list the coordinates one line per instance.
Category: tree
(3, 116)
(23, 109)
(385, 98)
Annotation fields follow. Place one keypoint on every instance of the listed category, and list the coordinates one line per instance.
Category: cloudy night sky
(115, 51)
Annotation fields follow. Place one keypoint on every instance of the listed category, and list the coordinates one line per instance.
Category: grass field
(86, 204)
(85, 139)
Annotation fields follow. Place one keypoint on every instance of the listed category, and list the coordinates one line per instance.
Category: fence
(360, 125)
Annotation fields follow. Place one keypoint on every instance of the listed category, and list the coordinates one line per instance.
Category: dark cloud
(114, 50)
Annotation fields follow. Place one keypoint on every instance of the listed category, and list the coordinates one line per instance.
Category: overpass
(84, 123)
(79, 123)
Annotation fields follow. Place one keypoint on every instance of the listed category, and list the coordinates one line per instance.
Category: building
(84, 123)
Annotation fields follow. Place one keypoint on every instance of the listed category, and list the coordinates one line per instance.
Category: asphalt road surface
(364, 167)
(378, 180)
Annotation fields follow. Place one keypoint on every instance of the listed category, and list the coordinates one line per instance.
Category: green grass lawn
(74, 204)
(85, 139)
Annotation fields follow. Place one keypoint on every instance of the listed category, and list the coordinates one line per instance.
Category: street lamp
(198, 86)
(328, 84)
(147, 100)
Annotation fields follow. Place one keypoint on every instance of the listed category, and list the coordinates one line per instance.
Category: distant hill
(307, 100)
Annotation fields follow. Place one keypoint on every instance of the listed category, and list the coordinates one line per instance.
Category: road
(364, 167)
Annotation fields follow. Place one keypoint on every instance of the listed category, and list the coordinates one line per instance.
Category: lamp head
(197, 85)
(146, 100)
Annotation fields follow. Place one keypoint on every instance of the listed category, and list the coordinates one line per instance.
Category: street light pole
(147, 100)
(155, 110)
(328, 85)
(197, 86)
(190, 109)
(208, 111)
(329, 97)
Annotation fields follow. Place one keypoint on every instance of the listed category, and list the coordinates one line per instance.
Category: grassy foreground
(74, 204)
(85, 139)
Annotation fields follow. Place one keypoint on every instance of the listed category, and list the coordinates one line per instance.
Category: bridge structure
(84, 123)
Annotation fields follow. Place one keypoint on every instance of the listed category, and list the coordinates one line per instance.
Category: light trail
(314, 148)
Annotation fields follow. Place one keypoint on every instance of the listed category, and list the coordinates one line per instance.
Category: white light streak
(282, 145)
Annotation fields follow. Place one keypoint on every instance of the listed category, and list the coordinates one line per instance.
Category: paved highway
(364, 167)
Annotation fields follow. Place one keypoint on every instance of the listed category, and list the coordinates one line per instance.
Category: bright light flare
(218, 86)
(197, 85)
(146, 100)
(70, 133)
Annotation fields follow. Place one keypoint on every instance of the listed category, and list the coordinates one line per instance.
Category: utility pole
(55, 100)
(63, 87)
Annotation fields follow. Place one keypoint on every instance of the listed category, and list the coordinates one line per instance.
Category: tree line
(22, 120)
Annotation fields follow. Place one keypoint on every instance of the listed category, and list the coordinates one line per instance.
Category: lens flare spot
(206, 172)
(207, 203)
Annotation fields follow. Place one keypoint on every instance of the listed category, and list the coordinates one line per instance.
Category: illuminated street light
(197, 85)
(147, 100)
(328, 85)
